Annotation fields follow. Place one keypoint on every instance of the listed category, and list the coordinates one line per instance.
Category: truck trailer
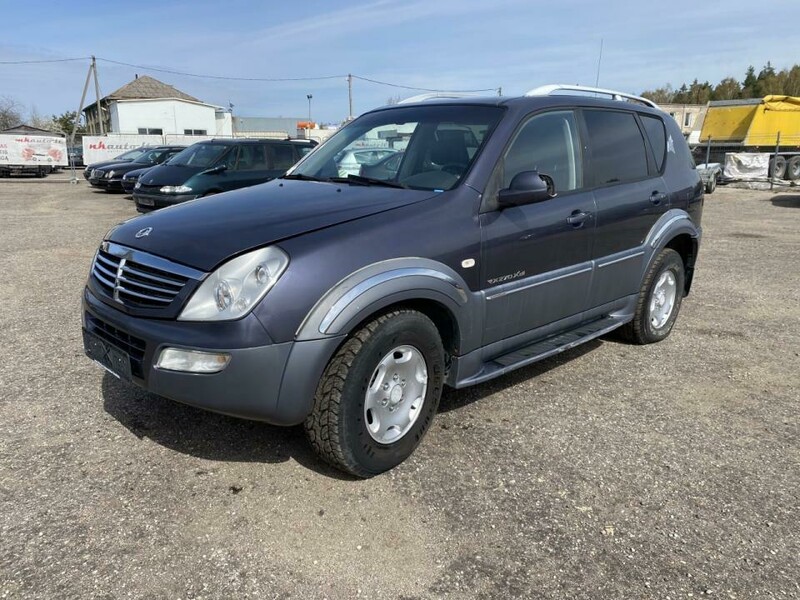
(770, 125)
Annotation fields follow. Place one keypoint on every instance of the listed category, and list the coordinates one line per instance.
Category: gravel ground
(611, 471)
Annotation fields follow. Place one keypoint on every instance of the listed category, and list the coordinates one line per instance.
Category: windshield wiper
(361, 180)
(302, 177)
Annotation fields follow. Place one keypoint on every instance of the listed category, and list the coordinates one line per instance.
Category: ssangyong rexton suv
(514, 228)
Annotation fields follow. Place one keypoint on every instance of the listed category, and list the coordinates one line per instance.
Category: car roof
(529, 103)
(255, 141)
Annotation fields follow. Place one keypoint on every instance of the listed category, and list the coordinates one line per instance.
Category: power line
(51, 60)
(223, 77)
(420, 89)
(229, 78)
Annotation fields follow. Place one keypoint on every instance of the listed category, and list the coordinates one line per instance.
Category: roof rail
(436, 96)
(548, 90)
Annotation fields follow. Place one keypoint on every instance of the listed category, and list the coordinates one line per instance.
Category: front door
(536, 258)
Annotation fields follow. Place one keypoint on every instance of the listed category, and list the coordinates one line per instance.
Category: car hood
(120, 168)
(205, 232)
(106, 163)
(137, 172)
(171, 175)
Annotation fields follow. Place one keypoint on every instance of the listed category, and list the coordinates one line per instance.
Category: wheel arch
(676, 230)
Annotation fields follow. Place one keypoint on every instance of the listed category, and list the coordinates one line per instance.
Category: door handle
(577, 218)
(657, 197)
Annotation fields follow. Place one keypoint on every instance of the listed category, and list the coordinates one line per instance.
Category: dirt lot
(613, 471)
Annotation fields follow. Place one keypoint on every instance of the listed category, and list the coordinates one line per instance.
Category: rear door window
(282, 156)
(617, 147)
(252, 157)
(654, 128)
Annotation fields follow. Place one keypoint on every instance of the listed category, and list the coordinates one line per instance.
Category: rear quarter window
(617, 147)
(657, 135)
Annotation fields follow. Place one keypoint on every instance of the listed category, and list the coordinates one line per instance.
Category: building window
(195, 132)
(687, 119)
(150, 131)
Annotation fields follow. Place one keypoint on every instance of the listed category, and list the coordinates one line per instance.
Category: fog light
(192, 361)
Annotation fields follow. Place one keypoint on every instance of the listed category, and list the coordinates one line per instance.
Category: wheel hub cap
(662, 299)
(396, 394)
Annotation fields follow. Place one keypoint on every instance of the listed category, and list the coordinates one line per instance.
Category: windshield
(131, 154)
(150, 157)
(200, 155)
(419, 147)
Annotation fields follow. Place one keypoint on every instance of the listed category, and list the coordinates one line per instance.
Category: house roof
(29, 129)
(145, 87)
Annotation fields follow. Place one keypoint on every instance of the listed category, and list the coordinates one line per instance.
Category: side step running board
(545, 348)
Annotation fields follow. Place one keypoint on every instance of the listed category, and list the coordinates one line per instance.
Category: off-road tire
(793, 169)
(640, 330)
(336, 427)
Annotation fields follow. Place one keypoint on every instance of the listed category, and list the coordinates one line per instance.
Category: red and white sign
(32, 150)
(97, 148)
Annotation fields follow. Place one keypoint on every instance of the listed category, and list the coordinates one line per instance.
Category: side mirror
(527, 187)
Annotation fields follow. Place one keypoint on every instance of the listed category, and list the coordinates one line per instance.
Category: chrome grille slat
(106, 272)
(138, 273)
(144, 285)
(108, 260)
(103, 280)
(123, 290)
(140, 280)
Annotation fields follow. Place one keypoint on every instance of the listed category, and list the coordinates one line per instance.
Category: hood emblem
(143, 232)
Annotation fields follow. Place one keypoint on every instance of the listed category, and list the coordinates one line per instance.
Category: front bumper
(265, 381)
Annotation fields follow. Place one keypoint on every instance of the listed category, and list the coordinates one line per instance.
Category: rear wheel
(793, 168)
(777, 167)
(659, 300)
(379, 394)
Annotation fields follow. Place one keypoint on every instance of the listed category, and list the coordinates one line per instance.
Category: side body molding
(387, 282)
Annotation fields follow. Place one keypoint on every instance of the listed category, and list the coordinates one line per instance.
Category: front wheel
(378, 394)
(659, 300)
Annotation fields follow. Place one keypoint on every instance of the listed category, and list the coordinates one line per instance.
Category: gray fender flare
(671, 224)
(382, 284)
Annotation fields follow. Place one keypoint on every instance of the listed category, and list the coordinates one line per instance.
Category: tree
(392, 100)
(66, 121)
(662, 95)
(727, 89)
(750, 83)
(38, 121)
(10, 112)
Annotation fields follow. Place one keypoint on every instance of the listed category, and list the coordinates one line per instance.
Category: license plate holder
(108, 356)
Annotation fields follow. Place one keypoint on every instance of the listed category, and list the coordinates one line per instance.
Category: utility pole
(80, 107)
(350, 96)
(97, 95)
(309, 96)
(500, 91)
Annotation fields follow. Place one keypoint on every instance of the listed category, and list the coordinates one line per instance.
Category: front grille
(134, 283)
(133, 346)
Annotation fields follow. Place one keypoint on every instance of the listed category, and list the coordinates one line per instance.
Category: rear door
(282, 157)
(536, 264)
(630, 194)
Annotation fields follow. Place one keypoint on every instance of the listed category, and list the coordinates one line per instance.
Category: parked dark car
(215, 166)
(131, 177)
(122, 158)
(348, 303)
(110, 177)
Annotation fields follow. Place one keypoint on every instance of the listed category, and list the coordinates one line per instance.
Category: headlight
(109, 175)
(138, 185)
(236, 287)
(175, 189)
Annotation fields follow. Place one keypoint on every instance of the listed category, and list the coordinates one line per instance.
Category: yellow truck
(755, 126)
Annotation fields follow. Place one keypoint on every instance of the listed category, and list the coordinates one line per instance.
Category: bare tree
(392, 100)
(10, 112)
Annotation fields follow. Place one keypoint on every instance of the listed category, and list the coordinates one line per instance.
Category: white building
(146, 106)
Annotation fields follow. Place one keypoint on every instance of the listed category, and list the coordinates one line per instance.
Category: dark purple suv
(511, 230)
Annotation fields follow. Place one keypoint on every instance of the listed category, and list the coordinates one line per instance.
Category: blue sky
(440, 44)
